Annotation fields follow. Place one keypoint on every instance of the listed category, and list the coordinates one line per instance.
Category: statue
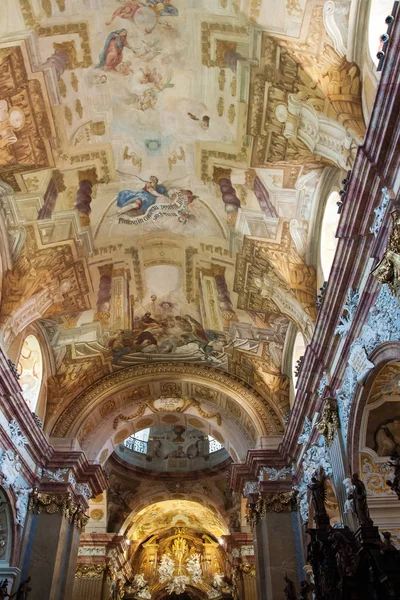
(23, 590)
(290, 590)
(306, 590)
(318, 492)
(349, 504)
(359, 495)
(4, 589)
(395, 463)
(346, 559)
(234, 521)
(386, 545)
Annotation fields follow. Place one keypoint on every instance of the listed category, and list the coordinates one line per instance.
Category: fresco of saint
(142, 199)
(111, 57)
(163, 8)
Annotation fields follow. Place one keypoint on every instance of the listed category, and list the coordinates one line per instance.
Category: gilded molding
(329, 422)
(62, 504)
(274, 502)
(90, 571)
(388, 270)
(116, 382)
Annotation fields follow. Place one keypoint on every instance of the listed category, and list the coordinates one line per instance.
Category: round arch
(37, 330)
(204, 518)
(382, 356)
(129, 400)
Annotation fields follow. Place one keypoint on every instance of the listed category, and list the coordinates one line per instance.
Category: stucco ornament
(140, 588)
(349, 308)
(193, 567)
(10, 467)
(177, 584)
(380, 212)
(271, 474)
(322, 385)
(250, 487)
(10, 471)
(316, 457)
(307, 429)
(16, 434)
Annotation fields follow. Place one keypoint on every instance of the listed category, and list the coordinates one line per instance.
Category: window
(30, 370)
(380, 9)
(328, 234)
(299, 348)
(213, 444)
(138, 441)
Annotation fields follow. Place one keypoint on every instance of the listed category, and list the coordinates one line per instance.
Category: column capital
(90, 571)
(58, 503)
(259, 505)
(108, 550)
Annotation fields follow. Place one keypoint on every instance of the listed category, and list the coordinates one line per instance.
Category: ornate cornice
(67, 423)
(91, 571)
(62, 504)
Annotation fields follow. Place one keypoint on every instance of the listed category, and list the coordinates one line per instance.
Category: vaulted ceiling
(160, 165)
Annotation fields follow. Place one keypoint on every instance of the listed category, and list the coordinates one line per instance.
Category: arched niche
(8, 542)
(374, 430)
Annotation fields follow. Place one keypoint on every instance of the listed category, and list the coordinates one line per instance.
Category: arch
(9, 538)
(198, 516)
(233, 410)
(385, 354)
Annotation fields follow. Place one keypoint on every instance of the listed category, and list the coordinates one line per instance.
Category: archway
(132, 399)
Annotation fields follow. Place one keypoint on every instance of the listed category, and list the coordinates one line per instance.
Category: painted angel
(126, 11)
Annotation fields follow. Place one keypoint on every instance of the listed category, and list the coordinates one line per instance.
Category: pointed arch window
(30, 369)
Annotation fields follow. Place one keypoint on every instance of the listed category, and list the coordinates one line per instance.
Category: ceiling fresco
(176, 513)
(159, 162)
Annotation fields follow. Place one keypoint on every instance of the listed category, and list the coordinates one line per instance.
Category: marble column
(102, 561)
(242, 570)
(276, 543)
(55, 520)
(52, 545)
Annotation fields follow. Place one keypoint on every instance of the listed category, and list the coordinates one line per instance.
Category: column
(273, 518)
(52, 546)
(56, 519)
(240, 551)
(102, 564)
(329, 427)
